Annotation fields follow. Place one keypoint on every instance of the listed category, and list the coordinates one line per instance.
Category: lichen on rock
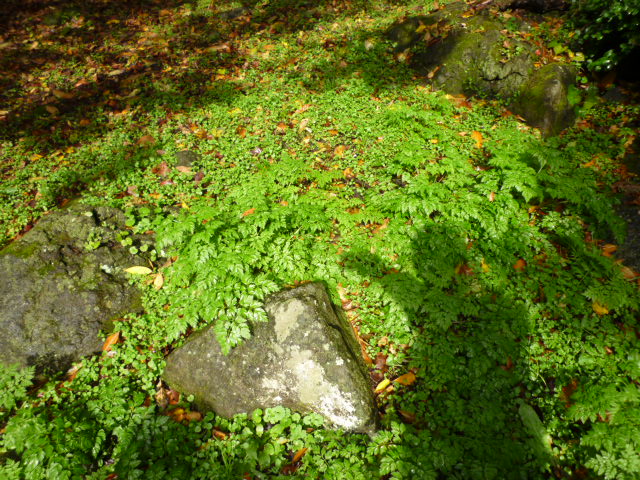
(305, 358)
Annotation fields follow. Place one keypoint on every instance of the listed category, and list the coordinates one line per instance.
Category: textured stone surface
(62, 284)
(305, 358)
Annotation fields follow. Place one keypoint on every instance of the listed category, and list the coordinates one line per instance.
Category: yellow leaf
(599, 308)
(477, 136)
(137, 270)
(339, 150)
(421, 28)
(485, 266)
(158, 282)
(406, 379)
(52, 110)
(382, 385)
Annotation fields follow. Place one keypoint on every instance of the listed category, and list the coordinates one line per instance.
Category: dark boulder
(305, 358)
(63, 283)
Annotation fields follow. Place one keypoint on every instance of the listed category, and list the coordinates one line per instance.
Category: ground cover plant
(476, 260)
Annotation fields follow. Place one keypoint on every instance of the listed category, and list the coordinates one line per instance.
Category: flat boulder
(63, 283)
(305, 358)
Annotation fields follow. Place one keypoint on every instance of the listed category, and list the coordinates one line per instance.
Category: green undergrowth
(470, 248)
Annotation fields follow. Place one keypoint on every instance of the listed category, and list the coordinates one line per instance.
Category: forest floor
(478, 261)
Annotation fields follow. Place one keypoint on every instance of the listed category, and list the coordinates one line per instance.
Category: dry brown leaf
(62, 95)
(183, 169)
(111, 341)
(241, 131)
(629, 273)
(248, 212)
(145, 141)
(52, 110)
(219, 434)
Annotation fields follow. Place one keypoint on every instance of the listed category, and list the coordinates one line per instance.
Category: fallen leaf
(299, 454)
(110, 341)
(137, 270)
(62, 95)
(629, 273)
(485, 266)
(248, 212)
(183, 169)
(608, 249)
(303, 108)
(219, 435)
(193, 416)
(158, 282)
(145, 141)
(241, 131)
(161, 170)
(72, 373)
(281, 129)
(599, 308)
(406, 379)
(52, 110)
(382, 385)
(477, 136)
(520, 265)
(492, 196)
(408, 417)
(339, 151)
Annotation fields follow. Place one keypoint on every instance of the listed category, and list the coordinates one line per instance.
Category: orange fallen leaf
(248, 212)
(241, 131)
(520, 265)
(406, 379)
(477, 136)
(608, 249)
(281, 129)
(219, 435)
(52, 110)
(348, 173)
(110, 341)
(299, 454)
(599, 308)
(492, 196)
(193, 416)
(464, 269)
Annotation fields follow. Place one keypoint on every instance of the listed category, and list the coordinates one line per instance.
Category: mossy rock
(63, 284)
(544, 100)
(305, 358)
(462, 51)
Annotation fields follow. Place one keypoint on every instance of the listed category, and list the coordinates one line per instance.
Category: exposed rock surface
(464, 51)
(63, 283)
(305, 358)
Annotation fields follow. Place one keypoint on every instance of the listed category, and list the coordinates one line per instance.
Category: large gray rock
(305, 358)
(63, 283)
(462, 51)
